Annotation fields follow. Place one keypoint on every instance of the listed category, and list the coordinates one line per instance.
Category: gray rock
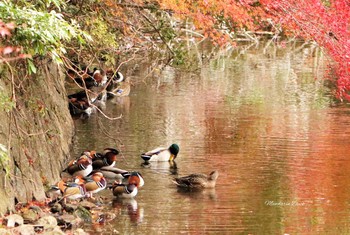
(4, 231)
(56, 208)
(54, 231)
(30, 215)
(88, 205)
(69, 221)
(83, 214)
(13, 220)
(24, 229)
(80, 231)
(47, 221)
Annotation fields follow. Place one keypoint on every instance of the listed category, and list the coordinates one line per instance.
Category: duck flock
(93, 172)
(98, 86)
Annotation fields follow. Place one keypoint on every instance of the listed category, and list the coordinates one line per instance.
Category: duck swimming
(129, 190)
(197, 181)
(162, 154)
(120, 176)
(121, 87)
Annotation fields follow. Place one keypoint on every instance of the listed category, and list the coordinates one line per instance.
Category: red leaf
(7, 50)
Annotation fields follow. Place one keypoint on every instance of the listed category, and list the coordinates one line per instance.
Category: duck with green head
(162, 154)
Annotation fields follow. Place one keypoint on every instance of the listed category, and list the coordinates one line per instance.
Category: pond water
(254, 113)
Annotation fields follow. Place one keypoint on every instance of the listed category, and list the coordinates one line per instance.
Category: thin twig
(116, 140)
(105, 115)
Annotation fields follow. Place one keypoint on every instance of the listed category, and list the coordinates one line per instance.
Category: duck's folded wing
(193, 180)
(155, 151)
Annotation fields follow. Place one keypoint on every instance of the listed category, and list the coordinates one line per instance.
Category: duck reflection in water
(198, 194)
(162, 167)
(129, 206)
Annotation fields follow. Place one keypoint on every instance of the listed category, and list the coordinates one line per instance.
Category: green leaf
(32, 68)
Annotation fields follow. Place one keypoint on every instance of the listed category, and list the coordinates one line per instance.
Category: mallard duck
(122, 89)
(197, 181)
(162, 154)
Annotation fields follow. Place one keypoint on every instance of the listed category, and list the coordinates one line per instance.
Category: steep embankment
(37, 133)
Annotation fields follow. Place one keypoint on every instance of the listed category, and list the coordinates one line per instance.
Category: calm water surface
(259, 117)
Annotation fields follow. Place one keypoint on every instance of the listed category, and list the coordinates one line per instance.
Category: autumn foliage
(325, 22)
(218, 19)
(138, 22)
(7, 52)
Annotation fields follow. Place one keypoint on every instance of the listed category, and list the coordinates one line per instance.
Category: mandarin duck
(114, 173)
(72, 190)
(81, 166)
(136, 178)
(81, 102)
(197, 181)
(130, 189)
(107, 158)
(124, 190)
(161, 154)
(100, 77)
(80, 107)
(53, 192)
(93, 184)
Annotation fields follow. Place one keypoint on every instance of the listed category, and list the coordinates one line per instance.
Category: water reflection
(162, 167)
(198, 194)
(130, 207)
(256, 114)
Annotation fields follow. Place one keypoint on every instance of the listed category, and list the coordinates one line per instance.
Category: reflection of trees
(257, 114)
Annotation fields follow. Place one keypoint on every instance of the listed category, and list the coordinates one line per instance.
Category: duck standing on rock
(72, 190)
(93, 184)
(161, 154)
(107, 158)
(81, 166)
(197, 181)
